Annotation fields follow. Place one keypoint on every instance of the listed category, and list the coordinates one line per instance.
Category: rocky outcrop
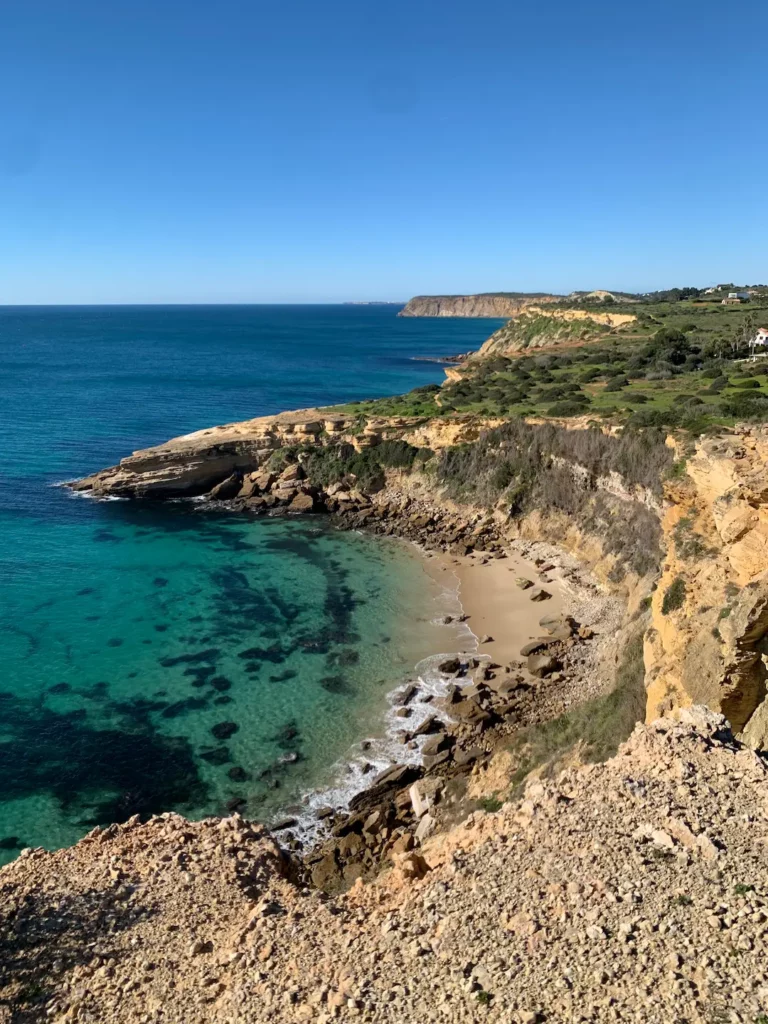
(709, 637)
(636, 890)
(537, 327)
(486, 304)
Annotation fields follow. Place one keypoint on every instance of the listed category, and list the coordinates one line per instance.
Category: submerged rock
(223, 730)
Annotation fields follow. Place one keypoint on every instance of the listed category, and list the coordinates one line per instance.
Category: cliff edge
(634, 890)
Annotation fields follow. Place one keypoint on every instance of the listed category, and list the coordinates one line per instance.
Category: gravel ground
(636, 890)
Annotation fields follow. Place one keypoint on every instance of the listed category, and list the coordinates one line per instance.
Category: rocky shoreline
(407, 802)
(485, 702)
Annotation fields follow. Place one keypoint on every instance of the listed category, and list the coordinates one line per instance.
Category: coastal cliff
(702, 530)
(487, 304)
(646, 552)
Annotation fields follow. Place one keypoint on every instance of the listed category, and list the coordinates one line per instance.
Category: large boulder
(249, 488)
(302, 503)
(541, 665)
(292, 473)
(540, 644)
(227, 489)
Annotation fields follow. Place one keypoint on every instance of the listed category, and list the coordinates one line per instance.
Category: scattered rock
(540, 665)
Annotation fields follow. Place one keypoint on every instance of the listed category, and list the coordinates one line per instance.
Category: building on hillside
(731, 300)
(760, 341)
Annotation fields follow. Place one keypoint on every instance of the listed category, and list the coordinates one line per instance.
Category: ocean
(175, 657)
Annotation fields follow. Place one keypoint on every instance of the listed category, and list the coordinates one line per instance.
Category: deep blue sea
(173, 657)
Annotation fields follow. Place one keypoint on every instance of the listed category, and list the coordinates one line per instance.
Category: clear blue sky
(237, 150)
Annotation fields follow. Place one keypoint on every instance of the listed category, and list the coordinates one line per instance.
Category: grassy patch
(674, 596)
(599, 725)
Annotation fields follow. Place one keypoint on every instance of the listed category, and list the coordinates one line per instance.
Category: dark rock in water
(221, 684)
(238, 774)
(283, 677)
(161, 628)
(180, 707)
(287, 734)
(235, 803)
(224, 699)
(84, 592)
(323, 812)
(160, 581)
(223, 730)
(274, 654)
(334, 684)
(115, 641)
(346, 656)
(219, 755)
(210, 654)
(10, 843)
(284, 823)
(449, 667)
(406, 695)
(59, 688)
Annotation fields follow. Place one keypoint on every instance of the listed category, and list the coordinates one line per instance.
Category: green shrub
(745, 405)
(570, 407)
(644, 418)
(674, 596)
(747, 383)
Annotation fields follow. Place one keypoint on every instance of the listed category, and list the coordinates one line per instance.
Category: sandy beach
(496, 605)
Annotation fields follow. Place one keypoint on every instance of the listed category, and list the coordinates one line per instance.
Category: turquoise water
(174, 657)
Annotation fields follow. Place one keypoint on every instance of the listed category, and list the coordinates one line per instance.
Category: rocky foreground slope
(635, 890)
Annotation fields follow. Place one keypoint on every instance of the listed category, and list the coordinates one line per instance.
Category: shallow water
(174, 656)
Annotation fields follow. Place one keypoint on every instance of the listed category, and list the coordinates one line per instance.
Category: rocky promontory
(494, 305)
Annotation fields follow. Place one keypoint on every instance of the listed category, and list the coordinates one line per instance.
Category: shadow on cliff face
(44, 936)
(97, 775)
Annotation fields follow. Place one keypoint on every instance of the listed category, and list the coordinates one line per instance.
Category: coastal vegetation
(678, 365)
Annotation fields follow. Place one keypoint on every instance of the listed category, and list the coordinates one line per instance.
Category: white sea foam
(355, 773)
